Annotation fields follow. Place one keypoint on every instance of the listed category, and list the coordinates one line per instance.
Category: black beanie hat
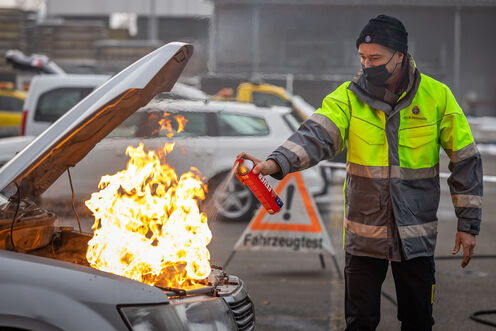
(387, 31)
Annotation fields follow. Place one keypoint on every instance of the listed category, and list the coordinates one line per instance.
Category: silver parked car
(46, 282)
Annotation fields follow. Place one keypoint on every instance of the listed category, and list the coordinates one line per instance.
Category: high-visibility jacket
(392, 187)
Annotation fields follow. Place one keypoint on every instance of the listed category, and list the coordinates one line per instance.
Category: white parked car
(214, 134)
(51, 96)
(46, 282)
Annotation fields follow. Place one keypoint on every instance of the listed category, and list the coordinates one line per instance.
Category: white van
(51, 96)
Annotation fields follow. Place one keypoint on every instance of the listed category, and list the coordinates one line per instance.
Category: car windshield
(241, 125)
(129, 128)
(263, 99)
(8, 103)
(291, 121)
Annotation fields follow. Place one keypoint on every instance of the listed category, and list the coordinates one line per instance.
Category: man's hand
(268, 167)
(467, 240)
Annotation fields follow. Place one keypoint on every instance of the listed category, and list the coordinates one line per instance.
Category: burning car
(55, 278)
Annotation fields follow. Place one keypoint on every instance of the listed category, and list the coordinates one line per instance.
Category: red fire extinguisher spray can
(259, 185)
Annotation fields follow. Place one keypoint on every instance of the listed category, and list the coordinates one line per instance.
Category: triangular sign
(296, 227)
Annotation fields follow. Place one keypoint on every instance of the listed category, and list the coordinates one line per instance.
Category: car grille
(244, 313)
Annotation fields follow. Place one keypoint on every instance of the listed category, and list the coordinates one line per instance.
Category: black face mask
(378, 75)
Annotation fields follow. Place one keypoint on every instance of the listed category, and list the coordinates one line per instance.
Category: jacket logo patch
(415, 114)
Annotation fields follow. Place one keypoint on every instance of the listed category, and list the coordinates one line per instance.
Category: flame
(148, 226)
(165, 123)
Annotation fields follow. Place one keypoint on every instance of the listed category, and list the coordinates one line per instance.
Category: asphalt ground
(291, 291)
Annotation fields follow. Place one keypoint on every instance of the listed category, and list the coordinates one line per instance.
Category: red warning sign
(297, 226)
(260, 222)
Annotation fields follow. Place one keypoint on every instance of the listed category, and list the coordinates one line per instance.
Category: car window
(130, 128)
(55, 103)
(10, 104)
(266, 100)
(195, 125)
(241, 125)
(292, 121)
(297, 116)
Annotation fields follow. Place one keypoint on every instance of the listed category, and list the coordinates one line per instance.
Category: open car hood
(69, 139)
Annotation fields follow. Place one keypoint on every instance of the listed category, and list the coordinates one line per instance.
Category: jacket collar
(380, 97)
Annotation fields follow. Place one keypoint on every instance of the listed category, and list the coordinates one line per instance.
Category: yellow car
(266, 95)
(11, 102)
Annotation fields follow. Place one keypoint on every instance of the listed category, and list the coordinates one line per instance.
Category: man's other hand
(467, 241)
(268, 167)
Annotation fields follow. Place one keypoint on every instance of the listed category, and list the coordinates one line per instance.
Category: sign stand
(296, 228)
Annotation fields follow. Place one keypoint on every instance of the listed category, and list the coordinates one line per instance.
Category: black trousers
(414, 281)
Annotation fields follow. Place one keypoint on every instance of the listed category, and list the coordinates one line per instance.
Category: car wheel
(229, 200)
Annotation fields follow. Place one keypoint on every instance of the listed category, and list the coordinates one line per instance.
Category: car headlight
(208, 314)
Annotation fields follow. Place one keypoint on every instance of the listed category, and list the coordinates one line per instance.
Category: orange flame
(148, 226)
(165, 123)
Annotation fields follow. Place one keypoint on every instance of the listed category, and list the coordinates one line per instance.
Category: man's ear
(400, 56)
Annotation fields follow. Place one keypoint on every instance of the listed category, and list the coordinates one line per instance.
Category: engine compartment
(34, 233)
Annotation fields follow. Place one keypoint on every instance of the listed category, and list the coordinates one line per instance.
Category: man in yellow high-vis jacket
(393, 120)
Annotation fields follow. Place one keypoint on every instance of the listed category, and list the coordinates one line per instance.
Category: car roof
(70, 77)
(212, 106)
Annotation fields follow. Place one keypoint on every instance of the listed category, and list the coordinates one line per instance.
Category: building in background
(314, 41)
(150, 23)
(105, 36)
(14, 25)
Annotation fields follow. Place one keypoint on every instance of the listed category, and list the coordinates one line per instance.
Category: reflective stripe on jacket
(392, 185)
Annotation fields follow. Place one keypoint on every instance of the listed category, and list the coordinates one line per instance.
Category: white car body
(213, 154)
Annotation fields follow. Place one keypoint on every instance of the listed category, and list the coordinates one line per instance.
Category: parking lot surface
(291, 291)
